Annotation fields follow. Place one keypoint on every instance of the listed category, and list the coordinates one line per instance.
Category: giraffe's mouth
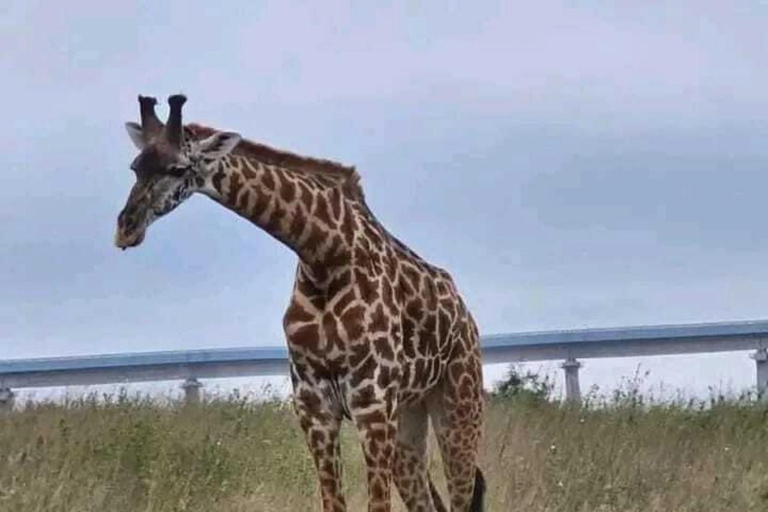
(125, 240)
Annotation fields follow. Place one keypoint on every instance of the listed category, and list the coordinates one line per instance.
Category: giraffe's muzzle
(125, 240)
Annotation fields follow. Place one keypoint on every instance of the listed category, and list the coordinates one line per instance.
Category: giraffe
(376, 335)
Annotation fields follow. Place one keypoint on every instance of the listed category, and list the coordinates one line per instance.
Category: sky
(572, 164)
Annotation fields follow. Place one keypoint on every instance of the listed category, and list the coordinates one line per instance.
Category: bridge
(568, 346)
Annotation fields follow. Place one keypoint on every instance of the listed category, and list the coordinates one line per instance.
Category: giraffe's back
(437, 326)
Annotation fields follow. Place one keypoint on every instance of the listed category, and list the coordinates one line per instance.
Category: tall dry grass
(234, 455)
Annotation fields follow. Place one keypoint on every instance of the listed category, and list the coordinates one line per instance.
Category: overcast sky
(573, 164)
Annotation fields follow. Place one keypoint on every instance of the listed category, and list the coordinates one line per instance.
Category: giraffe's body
(375, 333)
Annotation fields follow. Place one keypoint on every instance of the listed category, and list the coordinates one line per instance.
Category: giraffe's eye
(177, 170)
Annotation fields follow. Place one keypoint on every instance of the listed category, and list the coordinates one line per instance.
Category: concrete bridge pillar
(191, 388)
(761, 372)
(572, 388)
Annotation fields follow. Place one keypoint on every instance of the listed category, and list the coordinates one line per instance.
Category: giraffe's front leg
(320, 419)
(377, 435)
(373, 406)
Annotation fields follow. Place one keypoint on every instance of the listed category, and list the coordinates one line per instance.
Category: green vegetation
(619, 454)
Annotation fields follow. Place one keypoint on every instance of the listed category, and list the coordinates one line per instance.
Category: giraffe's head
(171, 166)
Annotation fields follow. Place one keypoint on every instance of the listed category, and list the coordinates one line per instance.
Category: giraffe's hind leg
(456, 408)
(411, 463)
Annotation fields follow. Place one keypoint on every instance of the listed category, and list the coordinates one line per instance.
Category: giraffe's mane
(344, 175)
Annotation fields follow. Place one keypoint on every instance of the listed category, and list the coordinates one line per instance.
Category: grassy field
(233, 455)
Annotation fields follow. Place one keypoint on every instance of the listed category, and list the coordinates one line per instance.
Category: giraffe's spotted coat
(375, 333)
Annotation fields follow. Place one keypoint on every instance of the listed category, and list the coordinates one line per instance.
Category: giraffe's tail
(478, 495)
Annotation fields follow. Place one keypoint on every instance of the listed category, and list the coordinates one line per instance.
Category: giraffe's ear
(136, 134)
(219, 144)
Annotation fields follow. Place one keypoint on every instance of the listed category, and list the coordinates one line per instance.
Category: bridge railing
(569, 346)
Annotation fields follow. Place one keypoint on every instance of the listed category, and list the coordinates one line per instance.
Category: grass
(622, 454)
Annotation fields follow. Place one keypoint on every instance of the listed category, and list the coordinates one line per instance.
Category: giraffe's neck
(306, 213)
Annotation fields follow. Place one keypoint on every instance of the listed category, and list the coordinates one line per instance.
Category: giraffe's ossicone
(375, 334)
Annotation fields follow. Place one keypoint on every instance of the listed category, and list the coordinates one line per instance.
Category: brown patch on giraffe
(261, 204)
(419, 373)
(344, 302)
(348, 228)
(353, 322)
(305, 287)
(358, 353)
(337, 254)
(391, 265)
(466, 388)
(368, 289)
(363, 398)
(443, 325)
(287, 190)
(412, 276)
(298, 222)
(243, 200)
(458, 350)
(307, 336)
(413, 308)
(317, 301)
(378, 492)
(336, 201)
(364, 248)
(310, 401)
(331, 329)
(326, 180)
(456, 370)
(404, 288)
(448, 306)
(339, 282)
(276, 217)
(268, 179)
(296, 313)
(364, 371)
(318, 369)
(375, 417)
(387, 452)
(235, 185)
(217, 178)
(315, 239)
(372, 235)
(430, 330)
(379, 320)
(322, 211)
(387, 295)
(375, 264)
(317, 438)
(306, 196)
(326, 368)
(423, 343)
(248, 171)
(387, 376)
(408, 330)
(383, 347)
(429, 293)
